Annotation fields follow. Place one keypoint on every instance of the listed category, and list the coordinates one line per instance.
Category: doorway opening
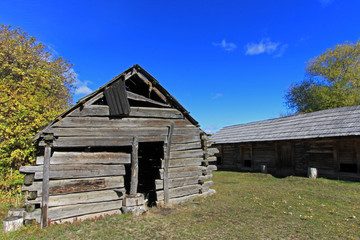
(150, 155)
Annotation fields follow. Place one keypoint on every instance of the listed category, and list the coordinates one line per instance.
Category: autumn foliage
(35, 86)
(332, 80)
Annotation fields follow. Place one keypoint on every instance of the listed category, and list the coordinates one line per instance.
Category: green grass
(246, 206)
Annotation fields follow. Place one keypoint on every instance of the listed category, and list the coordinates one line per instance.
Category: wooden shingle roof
(335, 122)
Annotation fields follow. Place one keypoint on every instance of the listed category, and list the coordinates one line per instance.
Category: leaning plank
(137, 97)
(188, 153)
(106, 122)
(88, 216)
(180, 172)
(177, 182)
(56, 213)
(85, 197)
(103, 110)
(82, 171)
(179, 191)
(87, 158)
(77, 185)
(183, 162)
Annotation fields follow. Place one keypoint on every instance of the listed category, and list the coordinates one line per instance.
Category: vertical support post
(166, 166)
(134, 166)
(46, 179)
(336, 158)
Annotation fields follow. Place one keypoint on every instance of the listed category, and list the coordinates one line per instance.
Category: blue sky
(227, 62)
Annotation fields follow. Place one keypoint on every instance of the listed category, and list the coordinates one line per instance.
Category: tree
(332, 80)
(35, 86)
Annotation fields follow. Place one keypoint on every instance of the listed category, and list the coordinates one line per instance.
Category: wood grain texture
(87, 158)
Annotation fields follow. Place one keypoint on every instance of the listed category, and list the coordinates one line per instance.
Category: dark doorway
(150, 155)
(284, 164)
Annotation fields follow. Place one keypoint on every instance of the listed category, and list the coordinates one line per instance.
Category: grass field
(246, 206)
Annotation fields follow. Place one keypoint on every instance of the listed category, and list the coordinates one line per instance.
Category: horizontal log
(124, 131)
(63, 212)
(114, 141)
(106, 122)
(206, 186)
(179, 191)
(206, 177)
(103, 110)
(212, 151)
(191, 197)
(177, 182)
(187, 154)
(183, 162)
(211, 159)
(87, 158)
(84, 197)
(212, 168)
(185, 146)
(88, 216)
(79, 171)
(181, 172)
(77, 185)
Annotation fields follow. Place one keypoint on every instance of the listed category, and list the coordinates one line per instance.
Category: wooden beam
(134, 166)
(166, 167)
(45, 185)
(137, 97)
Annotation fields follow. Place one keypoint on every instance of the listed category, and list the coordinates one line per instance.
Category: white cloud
(211, 129)
(82, 88)
(265, 46)
(227, 46)
(281, 50)
(217, 95)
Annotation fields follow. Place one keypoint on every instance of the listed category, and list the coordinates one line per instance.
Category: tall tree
(35, 86)
(332, 80)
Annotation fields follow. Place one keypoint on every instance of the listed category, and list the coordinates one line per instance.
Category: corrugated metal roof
(335, 122)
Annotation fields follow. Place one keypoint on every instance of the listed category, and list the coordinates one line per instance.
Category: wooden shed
(128, 144)
(328, 140)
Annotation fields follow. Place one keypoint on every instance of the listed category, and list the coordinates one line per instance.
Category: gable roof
(335, 122)
(128, 74)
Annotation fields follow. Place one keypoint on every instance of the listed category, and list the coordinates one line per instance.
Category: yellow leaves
(35, 87)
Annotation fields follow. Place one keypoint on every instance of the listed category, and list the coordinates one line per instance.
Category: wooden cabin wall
(87, 167)
(337, 158)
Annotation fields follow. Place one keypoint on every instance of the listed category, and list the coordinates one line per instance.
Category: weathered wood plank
(134, 166)
(180, 172)
(57, 187)
(56, 213)
(212, 151)
(106, 122)
(114, 141)
(82, 171)
(188, 153)
(45, 186)
(180, 191)
(183, 162)
(185, 146)
(177, 182)
(137, 97)
(103, 110)
(88, 216)
(115, 131)
(84, 197)
(166, 165)
(206, 186)
(87, 158)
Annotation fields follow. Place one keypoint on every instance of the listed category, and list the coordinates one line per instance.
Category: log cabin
(328, 140)
(126, 145)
